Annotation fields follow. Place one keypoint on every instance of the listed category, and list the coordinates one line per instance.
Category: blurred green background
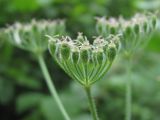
(23, 92)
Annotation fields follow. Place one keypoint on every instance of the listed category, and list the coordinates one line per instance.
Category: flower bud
(128, 30)
(52, 47)
(100, 57)
(84, 55)
(117, 44)
(65, 51)
(111, 52)
(99, 28)
(154, 21)
(145, 27)
(136, 29)
(75, 56)
(101, 25)
(112, 30)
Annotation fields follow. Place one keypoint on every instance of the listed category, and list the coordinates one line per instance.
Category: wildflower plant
(136, 33)
(31, 37)
(84, 62)
(108, 26)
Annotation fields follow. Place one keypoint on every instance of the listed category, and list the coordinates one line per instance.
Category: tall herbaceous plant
(86, 63)
(135, 35)
(31, 37)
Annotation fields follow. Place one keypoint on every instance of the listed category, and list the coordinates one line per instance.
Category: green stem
(52, 87)
(128, 92)
(91, 103)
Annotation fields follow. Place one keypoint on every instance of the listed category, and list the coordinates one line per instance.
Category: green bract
(31, 36)
(84, 62)
(135, 32)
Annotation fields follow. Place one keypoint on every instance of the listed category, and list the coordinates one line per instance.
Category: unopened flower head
(31, 36)
(135, 31)
(107, 26)
(84, 62)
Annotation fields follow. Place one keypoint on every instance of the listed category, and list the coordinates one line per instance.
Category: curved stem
(91, 103)
(52, 87)
(128, 92)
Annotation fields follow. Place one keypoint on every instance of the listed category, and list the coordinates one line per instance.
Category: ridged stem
(91, 103)
(128, 112)
(51, 87)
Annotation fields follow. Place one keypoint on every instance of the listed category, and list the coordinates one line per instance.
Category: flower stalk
(51, 87)
(31, 37)
(136, 33)
(86, 63)
(91, 103)
(128, 110)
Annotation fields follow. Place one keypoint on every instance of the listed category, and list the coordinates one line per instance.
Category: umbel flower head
(107, 26)
(135, 31)
(84, 62)
(31, 36)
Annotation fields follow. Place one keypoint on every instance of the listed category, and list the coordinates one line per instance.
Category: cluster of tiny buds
(31, 36)
(140, 23)
(82, 44)
(107, 26)
(136, 31)
(81, 55)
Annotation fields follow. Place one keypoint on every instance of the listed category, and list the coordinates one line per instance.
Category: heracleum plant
(84, 62)
(136, 33)
(31, 37)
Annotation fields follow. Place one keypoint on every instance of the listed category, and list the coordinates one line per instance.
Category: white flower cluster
(135, 31)
(83, 61)
(31, 36)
